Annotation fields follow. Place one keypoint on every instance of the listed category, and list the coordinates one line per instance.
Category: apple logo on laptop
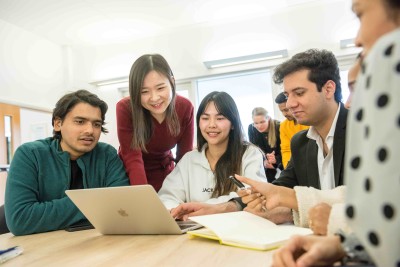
(123, 213)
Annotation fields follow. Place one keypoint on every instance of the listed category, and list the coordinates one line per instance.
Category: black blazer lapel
(339, 142)
(312, 164)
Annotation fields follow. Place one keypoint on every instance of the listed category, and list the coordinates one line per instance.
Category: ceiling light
(110, 81)
(246, 59)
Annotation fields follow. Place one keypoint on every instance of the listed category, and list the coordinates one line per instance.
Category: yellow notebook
(245, 230)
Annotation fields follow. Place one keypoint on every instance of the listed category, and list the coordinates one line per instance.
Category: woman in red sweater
(151, 121)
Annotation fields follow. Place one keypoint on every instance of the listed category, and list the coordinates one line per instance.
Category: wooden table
(89, 248)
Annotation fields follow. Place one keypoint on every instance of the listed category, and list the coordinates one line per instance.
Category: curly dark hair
(281, 98)
(322, 64)
(69, 101)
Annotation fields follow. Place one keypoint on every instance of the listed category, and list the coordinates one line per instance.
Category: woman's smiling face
(214, 126)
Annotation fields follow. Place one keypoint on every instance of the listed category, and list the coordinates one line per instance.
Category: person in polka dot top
(373, 150)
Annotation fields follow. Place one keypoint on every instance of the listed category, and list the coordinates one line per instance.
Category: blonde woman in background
(264, 133)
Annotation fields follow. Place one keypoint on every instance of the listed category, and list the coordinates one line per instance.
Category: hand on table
(309, 251)
(185, 210)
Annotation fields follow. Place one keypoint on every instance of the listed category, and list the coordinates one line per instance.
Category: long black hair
(231, 161)
(141, 117)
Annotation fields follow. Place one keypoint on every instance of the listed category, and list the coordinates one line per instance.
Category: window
(344, 82)
(249, 90)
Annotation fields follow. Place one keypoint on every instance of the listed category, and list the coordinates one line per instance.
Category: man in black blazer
(302, 168)
(311, 82)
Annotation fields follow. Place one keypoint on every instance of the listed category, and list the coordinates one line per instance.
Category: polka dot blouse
(373, 154)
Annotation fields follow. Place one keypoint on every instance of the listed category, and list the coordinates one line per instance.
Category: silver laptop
(127, 210)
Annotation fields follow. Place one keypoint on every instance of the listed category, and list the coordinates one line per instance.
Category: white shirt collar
(313, 134)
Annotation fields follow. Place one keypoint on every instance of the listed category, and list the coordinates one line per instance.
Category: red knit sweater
(152, 167)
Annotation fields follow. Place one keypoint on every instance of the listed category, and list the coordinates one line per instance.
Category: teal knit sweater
(40, 172)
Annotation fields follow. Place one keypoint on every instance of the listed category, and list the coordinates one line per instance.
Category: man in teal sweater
(42, 170)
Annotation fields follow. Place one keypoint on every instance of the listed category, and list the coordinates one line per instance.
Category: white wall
(32, 68)
(35, 125)
(298, 28)
(36, 72)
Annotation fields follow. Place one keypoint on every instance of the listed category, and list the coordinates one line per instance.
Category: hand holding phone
(237, 182)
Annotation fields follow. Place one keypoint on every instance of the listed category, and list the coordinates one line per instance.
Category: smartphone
(237, 182)
(79, 226)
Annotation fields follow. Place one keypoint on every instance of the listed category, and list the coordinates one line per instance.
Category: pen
(10, 253)
(237, 182)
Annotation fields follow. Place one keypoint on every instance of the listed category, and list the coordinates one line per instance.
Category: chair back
(3, 225)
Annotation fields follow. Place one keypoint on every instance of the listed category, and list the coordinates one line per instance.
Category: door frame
(14, 112)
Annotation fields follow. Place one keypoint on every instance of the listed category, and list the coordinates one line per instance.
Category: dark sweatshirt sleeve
(115, 171)
(25, 213)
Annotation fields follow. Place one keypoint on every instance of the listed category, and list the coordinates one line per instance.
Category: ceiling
(100, 22)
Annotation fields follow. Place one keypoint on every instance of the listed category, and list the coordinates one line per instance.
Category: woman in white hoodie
(202, 174)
